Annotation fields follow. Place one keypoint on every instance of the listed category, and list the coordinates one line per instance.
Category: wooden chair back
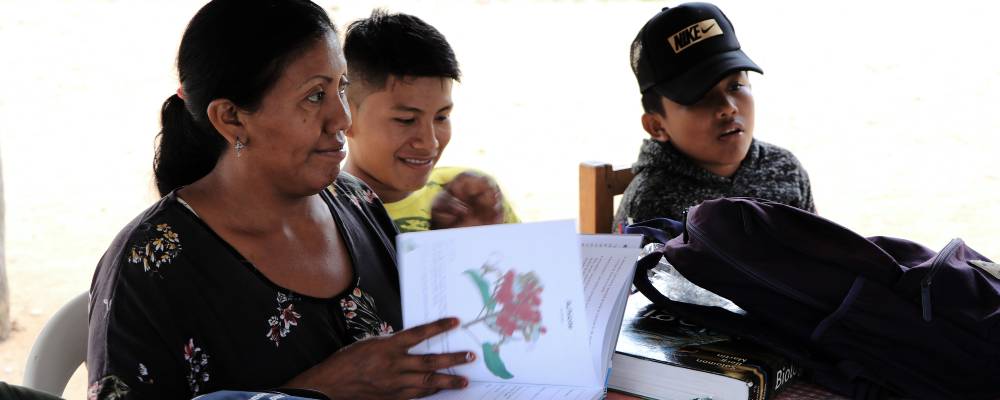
(599, 184)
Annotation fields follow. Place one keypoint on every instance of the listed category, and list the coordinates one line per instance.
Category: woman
(248, 274)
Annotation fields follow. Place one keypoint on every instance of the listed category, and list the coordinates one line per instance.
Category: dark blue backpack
(866, 317)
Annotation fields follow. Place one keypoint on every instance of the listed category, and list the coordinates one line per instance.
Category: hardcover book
(539, 304)
(659, 356)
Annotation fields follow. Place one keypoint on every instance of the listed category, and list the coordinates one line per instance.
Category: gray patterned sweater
(667, 182)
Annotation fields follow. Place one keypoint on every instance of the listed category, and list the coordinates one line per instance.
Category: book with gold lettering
(659, 356)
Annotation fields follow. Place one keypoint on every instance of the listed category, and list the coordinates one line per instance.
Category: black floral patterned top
(175, 311)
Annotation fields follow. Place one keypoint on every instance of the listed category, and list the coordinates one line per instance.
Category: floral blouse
(175, 311)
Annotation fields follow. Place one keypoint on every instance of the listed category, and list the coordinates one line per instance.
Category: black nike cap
(683, 51)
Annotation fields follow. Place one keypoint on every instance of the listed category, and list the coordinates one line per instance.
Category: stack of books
(660, 356)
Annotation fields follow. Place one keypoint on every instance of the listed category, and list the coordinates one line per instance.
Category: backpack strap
(656, 229)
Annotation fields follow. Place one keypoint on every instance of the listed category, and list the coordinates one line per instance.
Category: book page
(608, 265)
(518, 291)
(610, 240)
(513, 391)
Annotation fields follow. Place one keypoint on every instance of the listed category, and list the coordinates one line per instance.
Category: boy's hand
(470, 199)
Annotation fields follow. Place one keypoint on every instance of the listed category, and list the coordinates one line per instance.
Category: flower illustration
(288, 316)
(143, 376)
(362, 317)
(281, 324)
(384, 329)
(274, 331)
(368, 195)
(520, 311)
(511, 306)
(109, 387)
(156, 250)
(354, 200)
(197, 366)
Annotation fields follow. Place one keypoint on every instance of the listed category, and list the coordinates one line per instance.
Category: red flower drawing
(520, 309)
(511, 305)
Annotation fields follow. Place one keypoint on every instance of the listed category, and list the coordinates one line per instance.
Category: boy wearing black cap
(699, 113)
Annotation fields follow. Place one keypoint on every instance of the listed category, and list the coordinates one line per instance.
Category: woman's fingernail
(470, 356)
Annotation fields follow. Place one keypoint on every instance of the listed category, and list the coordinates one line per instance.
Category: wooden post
(599, 184)
(595, 205)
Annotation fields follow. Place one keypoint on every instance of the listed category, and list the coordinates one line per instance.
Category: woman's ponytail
(185, 152)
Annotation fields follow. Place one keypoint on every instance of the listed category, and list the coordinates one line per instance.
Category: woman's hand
(382, 368)
(471, 199)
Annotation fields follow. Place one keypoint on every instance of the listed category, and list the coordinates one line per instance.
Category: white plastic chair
(60, 348)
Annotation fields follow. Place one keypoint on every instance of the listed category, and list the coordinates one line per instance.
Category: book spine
(783, 375)
(764, 374)
(755, 375)
(770, 376)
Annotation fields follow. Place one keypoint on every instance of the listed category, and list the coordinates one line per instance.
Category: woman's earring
(239, 146)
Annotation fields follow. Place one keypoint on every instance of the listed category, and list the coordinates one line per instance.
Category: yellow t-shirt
(413, 213)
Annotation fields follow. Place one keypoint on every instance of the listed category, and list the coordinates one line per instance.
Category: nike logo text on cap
(693, 34)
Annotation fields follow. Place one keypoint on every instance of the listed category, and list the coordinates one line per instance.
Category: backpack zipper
(780, 288)
(925, 283)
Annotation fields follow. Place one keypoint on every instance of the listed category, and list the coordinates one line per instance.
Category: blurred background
(888, 105)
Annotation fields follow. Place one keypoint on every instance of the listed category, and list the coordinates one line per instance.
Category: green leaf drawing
(493, 362)
(484, 289)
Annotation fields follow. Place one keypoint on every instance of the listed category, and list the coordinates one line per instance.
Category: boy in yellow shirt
(402, 70)
(413, 214)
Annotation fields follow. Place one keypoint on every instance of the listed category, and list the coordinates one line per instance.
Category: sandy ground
(890, 109)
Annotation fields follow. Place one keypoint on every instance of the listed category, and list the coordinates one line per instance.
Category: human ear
(225, 118)
(353, 108)
(654, 126)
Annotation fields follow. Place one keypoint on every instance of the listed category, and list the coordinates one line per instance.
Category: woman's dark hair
(385, 44)
(231, 49)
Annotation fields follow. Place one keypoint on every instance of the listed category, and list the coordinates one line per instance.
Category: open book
(539, 304)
